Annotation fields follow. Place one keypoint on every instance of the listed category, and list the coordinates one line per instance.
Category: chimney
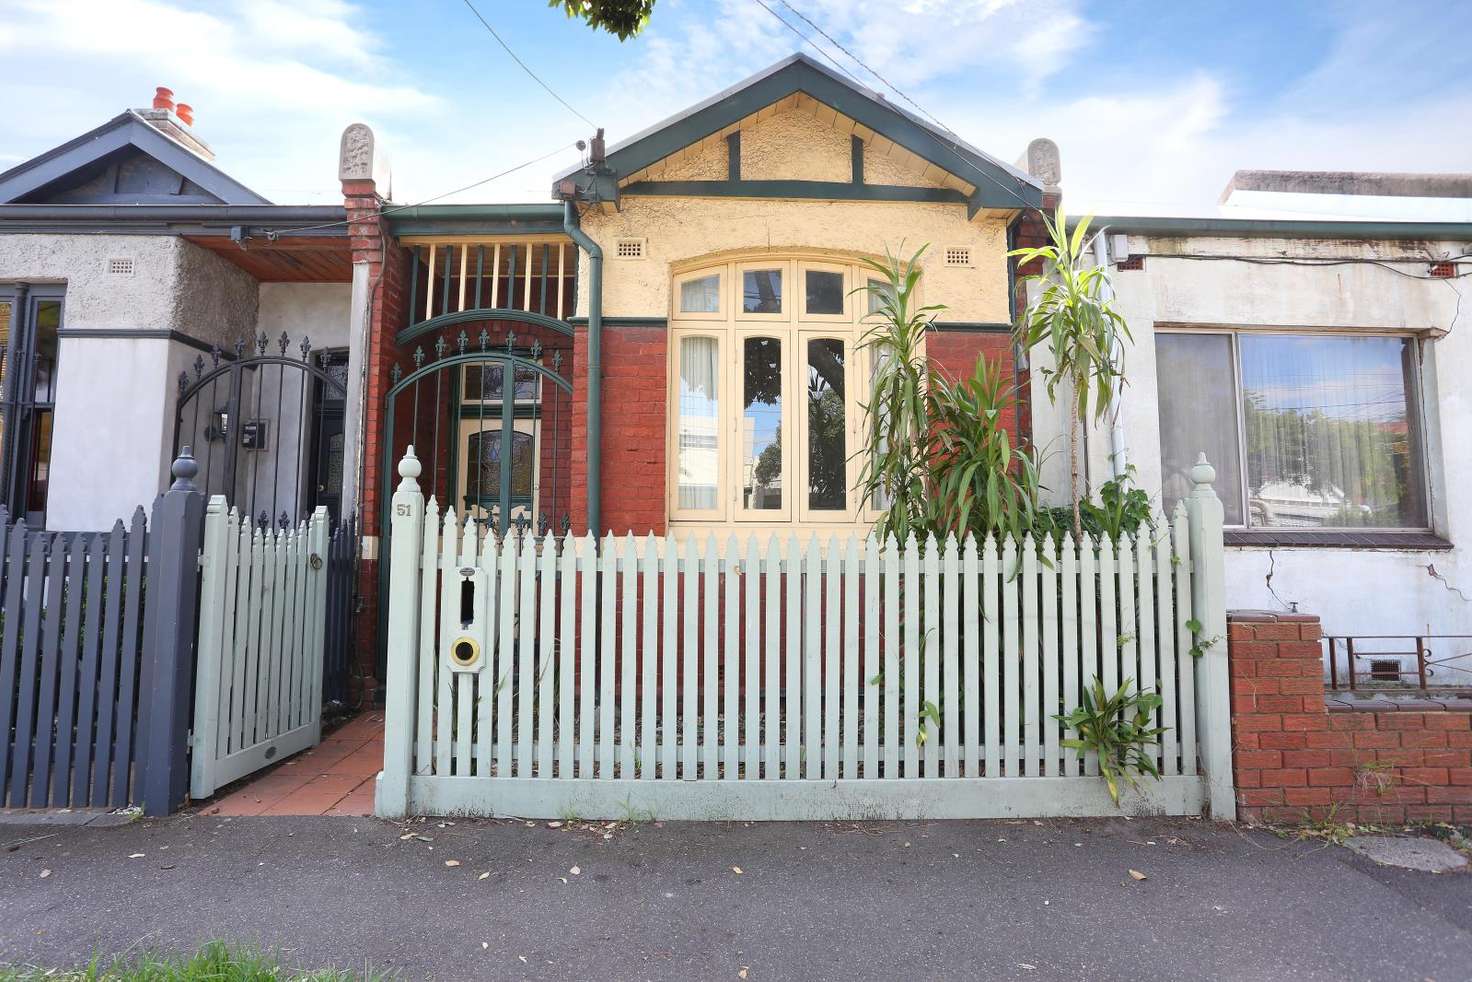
(175, 121)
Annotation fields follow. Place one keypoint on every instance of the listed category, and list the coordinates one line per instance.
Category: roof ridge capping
(998, 183)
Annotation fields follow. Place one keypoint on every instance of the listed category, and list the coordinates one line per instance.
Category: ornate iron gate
(262, 426)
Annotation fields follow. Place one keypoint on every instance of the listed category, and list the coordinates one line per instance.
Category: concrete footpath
(913, 900)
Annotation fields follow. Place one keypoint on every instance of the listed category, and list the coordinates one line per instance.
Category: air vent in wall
(629, 249)
(958, 256)
(120, 267)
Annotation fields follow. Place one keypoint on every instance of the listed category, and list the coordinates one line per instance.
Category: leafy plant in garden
(897, 426)
(1118, 728)
(1075, 318)
(982, 481)
(1121, 510)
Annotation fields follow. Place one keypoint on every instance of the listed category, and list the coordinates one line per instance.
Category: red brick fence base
(1296, 756)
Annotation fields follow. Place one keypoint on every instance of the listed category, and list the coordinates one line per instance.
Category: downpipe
(1118, 449)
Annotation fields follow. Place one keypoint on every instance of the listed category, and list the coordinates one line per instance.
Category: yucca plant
(1118, 727)
(1075, 318)
(983, 482)
(896, 426)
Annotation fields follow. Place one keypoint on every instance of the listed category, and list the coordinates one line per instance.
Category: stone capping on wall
(1298, 755)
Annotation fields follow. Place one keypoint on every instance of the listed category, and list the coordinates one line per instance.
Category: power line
(271, 233)
(536, 78)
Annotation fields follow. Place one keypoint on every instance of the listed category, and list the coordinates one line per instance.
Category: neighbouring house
(1313, 340)
(134, 273)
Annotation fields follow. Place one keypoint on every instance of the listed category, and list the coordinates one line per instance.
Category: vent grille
(120, 267)
(958, 256)
(1132, 262)
(1443, 271)
(629, 249)
(1385, 670)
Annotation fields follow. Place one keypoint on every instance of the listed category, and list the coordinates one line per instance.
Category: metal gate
(267, 428)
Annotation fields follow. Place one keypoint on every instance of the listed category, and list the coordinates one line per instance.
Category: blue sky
(1153, 104)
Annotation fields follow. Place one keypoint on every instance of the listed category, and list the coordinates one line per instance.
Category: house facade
(672, 344)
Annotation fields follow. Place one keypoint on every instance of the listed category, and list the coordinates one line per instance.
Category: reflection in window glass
(1198, 412)
(483, 383)
(761, 291)
(824, 291)
(761, 424)
(48, 319)
(701, 296)
(875, 295)
(1330, 440)
(827, 439)
(698, 436)
(484, 447)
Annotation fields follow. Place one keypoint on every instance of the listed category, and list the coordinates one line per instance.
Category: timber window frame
(794, 329)
(1250, 518)
(28, 390)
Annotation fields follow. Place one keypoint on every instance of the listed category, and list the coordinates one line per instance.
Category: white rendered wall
(1354, 591)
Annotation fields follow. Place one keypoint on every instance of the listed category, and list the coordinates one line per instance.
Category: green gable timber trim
(733, 156)
(662, 322)
(817, 190)
(997, 184)
(151, 334)
(1282, 228)
(856, 158)
(971, 327)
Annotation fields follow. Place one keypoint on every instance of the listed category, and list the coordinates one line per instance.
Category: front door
(498, 446)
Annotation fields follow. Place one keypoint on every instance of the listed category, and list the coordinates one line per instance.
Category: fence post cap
(184, 469)
(409, 470)
(1202, 472)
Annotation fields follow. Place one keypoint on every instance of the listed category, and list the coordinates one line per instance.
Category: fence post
(1209, 607)
(406, 529)
(168, 638)
(212, 614)
(319, 548)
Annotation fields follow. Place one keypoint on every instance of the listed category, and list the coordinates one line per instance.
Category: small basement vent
(1385, 670)
(1131, 262)
(1443, 271)
(958, 256)
(629, 249)
(120, 267)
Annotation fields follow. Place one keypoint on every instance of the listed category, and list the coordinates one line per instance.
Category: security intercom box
(469, 619)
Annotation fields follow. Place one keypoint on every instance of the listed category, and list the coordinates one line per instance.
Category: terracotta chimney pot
(185, 112)
(163, 98)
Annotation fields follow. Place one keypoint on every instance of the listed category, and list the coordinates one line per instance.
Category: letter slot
(467, 620)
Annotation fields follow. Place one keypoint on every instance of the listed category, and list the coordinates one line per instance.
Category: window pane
(876, 295)
(701, 296)
(882, 498)
(699, 443)
(1198, 411)
(484, 448)
(761, 424)
(827, 442)
(825, 292)
(48, 319)
(761, 291)
(1331, 439)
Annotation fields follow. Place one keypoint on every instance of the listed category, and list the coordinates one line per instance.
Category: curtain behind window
(1198, 411)
(699, 444)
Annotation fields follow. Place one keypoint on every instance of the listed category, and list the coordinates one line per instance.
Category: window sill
(1343, 539)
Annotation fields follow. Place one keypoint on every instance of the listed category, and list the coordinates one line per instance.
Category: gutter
(231, 214)
(595, 359)
(1283, 228)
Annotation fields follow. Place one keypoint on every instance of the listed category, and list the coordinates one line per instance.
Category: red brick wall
(635, 416)
(1295, 759)
(954, 353)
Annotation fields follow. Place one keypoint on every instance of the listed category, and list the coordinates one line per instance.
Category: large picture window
(1306, 431)
(766, 402)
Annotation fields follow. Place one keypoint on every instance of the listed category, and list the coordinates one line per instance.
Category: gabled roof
(117, 136)
(998, 185)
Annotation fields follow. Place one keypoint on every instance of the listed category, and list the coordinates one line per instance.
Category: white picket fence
(548, 677)
(258, 682)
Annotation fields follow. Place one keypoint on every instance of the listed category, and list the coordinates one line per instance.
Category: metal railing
(1434, 656)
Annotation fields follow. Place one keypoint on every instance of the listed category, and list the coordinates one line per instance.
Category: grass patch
(216, 962)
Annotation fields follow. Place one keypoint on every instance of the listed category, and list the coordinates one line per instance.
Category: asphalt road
(913, 901)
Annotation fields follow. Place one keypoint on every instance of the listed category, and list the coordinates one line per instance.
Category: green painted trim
(1282, 228)
(660, 321)
(479, 357)
(971, 327)
(507, 219)
(489, 314)
(819, 190)
(998, 185)
(733, 156)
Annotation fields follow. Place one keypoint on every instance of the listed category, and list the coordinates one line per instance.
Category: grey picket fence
(73, 619)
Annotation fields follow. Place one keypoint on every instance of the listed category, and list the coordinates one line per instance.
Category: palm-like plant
(896, 427)
(1074, 316)
(1120, 728)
